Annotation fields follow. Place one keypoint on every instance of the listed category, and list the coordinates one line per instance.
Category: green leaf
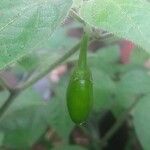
(60, 120)
(139, 56)
(104, 88)
(132, 83)
(3, 96)
(59, 44)
(128, 19)
(103, 68)
(69, 147)
(106, 60)
(29, 116)
(58, 117)
(24, 121)
(141, 120)
(1, 138)
(27, 25)
(29, 63)
(109, 54)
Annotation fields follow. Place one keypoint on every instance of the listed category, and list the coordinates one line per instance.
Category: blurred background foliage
(38, 118)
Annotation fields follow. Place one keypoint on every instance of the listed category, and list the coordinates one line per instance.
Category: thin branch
(8, 102)
(4, 85)
(16, 92)
(74, 15)
(51, 67)
(119, 122)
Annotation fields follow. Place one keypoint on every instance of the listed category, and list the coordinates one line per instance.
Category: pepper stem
(82, 62)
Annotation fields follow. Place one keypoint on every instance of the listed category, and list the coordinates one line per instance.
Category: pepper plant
(36, 37)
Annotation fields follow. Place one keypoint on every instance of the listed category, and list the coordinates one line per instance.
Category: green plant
(36, 37)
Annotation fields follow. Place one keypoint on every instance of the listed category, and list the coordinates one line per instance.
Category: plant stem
(74, 15)
(119, 122)
(8, 102)
(82, 62)
(96, 31)
(51, 67)
(16, 92)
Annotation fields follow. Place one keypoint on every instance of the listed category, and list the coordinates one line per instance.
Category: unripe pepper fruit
(80, 88)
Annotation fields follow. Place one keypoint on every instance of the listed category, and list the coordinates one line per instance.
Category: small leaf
(132, 83)
(139, 56)
(104, 88)
(141, 120)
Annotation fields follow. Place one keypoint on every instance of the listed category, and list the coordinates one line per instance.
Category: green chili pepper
(80, 89)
